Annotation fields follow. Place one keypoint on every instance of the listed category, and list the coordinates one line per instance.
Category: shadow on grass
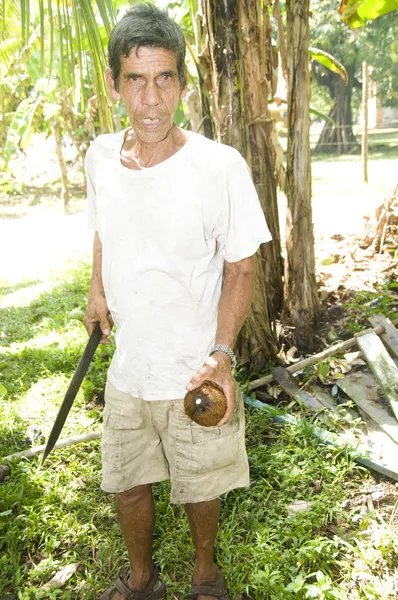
(15, 287)
(24, 369)
(20, 324)
(376, 152)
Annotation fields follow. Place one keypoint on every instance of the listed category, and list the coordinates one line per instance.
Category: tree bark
(259, 59)
(240, 88)
(65, 195)
(301, 300)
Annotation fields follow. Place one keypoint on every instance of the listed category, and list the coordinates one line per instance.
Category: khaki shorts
(147, 442)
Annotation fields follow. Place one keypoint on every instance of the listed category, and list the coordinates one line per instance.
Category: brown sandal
(155, 589)
(217, 588)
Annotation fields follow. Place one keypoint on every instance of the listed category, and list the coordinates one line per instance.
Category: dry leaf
(351, 356)
(61, 577)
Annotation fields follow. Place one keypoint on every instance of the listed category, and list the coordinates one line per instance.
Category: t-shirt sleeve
(91, 207)
(241, 226)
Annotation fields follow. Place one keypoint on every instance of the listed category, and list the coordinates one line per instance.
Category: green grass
(56, 515)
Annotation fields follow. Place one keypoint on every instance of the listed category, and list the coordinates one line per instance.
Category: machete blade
(73, 388)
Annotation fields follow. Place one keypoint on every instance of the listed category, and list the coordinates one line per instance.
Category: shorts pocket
(122, 430)
(203, 450)
(202, 434)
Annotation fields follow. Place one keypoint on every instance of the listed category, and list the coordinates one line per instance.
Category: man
(177, 222)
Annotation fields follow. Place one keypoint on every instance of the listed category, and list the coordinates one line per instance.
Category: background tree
(242, 62)
(301, 301)
(377, 44)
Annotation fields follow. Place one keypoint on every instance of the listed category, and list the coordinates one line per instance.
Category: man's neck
(137, 154)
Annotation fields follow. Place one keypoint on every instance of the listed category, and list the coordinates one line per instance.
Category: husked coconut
(206, 405)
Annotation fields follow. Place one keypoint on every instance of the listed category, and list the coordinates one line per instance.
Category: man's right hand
(98, 311)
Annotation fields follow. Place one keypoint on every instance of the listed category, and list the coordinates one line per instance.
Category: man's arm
(97, 307)
(235, 301)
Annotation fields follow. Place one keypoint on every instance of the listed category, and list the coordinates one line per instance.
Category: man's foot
(127, 589)
(204, 583)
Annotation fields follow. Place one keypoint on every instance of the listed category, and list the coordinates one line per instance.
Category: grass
(56, 515)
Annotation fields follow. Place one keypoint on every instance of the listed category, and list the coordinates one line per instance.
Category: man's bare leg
(136, 511)
(203, 520)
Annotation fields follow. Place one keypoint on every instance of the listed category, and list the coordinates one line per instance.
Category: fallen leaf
(351, 356)
(377, 495)
(61, 577)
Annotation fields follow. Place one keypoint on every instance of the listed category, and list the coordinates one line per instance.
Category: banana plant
(70, 37)
(329, 61)
(357, 12)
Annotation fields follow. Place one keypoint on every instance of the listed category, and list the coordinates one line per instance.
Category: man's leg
(203, 520)
(136, 511)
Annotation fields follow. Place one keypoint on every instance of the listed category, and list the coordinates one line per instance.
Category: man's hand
(217, 368)
(97, 310)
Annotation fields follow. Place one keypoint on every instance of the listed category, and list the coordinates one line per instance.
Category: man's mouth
(150, 123)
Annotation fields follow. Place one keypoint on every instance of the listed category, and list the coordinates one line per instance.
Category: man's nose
(151, 94)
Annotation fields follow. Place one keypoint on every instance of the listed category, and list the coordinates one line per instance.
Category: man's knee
(136, 493)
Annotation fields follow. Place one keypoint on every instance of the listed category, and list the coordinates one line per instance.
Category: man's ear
(111, 85)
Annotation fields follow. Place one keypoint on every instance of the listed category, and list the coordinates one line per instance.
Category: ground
(52, 518)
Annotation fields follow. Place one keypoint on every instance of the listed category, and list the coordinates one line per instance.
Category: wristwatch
(227, 350)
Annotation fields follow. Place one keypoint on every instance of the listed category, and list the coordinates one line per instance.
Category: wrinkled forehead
(149, 58)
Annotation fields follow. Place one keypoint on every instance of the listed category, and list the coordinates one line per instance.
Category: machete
(73, 388)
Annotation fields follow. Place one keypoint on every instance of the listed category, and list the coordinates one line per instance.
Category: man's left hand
(217, 368)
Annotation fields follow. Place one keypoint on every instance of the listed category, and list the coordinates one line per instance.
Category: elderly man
(177, 222)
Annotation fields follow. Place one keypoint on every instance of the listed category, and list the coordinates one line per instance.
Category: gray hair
(146, 25)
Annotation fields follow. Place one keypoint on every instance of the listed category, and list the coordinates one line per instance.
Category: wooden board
(382, 366)
(390, 337)
(288, 384)
(350, 414)
(365, 392)
(379, 442)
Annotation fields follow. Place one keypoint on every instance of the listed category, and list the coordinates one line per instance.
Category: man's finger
(199, 378)
(230, 396)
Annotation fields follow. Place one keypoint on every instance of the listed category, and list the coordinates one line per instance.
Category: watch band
(227, 350)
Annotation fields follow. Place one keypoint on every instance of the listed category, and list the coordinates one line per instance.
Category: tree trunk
(65, 195)
(339, 139)
(258, 59)
(241, 120)
(301, 301)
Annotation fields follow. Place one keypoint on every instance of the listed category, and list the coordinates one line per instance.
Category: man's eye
(133, 77)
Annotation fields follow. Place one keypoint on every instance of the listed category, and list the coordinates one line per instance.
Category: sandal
(217, 588)
(154, 589)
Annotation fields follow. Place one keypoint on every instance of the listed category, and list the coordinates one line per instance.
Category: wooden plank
(365, 392)
(379, 442)
(390, 337)
(287, 383)
(350, 414)
(382, 366)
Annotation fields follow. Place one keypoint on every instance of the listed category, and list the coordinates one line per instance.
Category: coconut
(206, 405)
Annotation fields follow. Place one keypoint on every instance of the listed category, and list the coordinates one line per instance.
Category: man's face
(150, 90)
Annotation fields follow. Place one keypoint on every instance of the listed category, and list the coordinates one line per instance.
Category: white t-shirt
(165, 233)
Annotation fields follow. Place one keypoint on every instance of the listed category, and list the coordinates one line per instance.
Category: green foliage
(19, 130)
(366, 304)
(328, 61)
(357, 12)
(376, 43)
